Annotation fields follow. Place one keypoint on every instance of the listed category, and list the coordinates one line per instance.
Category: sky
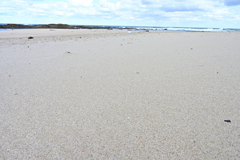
(165, 13)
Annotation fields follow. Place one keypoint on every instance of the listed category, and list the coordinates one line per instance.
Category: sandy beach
(108, 94)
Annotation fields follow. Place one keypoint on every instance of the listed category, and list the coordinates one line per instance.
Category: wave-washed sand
(81, 94)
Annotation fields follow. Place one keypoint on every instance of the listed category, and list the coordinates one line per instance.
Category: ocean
(159, 28)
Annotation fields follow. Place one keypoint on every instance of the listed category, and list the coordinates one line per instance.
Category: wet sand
(101, 94)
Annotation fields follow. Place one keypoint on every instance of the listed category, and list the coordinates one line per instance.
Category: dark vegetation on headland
(55, 26)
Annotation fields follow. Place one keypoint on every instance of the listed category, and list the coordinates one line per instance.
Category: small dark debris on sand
(228, 121)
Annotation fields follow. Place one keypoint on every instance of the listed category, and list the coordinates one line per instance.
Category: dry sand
(81, 94)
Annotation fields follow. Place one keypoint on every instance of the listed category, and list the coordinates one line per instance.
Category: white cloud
(85, 3)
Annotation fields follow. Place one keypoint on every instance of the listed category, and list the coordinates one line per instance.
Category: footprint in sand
(67, 53)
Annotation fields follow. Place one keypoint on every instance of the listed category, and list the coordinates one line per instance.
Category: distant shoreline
(54, 26)
(109, 27)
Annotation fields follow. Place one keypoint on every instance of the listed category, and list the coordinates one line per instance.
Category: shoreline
(56, 26)
(109, 27)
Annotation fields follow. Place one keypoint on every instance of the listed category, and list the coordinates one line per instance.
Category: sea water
(159, 28)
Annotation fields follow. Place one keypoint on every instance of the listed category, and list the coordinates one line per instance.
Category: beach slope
(105, 94)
